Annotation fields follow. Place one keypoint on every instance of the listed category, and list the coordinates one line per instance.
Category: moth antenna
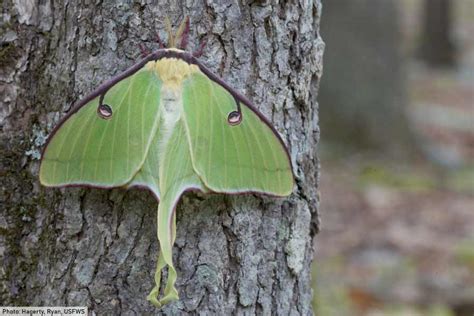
(144, 50)
(183, 32)
(170, 32)
(198, 53)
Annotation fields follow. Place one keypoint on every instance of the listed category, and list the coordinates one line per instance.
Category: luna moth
(170, 125)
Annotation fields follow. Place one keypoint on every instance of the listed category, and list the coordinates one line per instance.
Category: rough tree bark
(234, 254)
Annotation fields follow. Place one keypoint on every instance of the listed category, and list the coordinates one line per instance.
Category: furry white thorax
(171, 111)
(172, 106)
(172, 72)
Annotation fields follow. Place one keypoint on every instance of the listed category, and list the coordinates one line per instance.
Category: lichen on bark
(234, 254)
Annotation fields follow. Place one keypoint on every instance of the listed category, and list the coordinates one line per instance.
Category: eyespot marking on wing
(104, 111)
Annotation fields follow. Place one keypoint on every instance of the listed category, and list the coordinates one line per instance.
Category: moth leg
(198, 53)
(144, 50)
(159, 41)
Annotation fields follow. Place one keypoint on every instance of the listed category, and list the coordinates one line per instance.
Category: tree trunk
(437, 47)
(87, 247)
(363, 92)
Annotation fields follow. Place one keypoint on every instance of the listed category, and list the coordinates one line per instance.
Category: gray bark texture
(243, 255)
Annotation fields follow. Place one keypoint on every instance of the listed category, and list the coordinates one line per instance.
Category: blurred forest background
(397, 183)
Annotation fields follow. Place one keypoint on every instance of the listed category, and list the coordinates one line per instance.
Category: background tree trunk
(234, 254)
(437, 47)
(363, 92)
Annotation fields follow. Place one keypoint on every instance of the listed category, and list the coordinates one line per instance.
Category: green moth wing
(244, 155)
(90, 148)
